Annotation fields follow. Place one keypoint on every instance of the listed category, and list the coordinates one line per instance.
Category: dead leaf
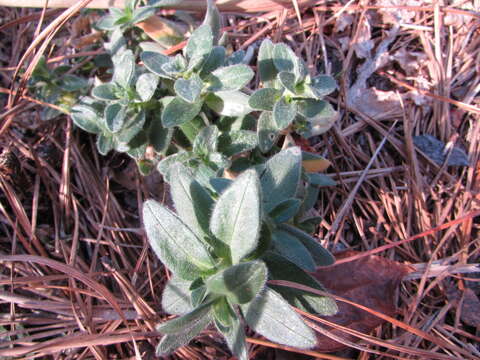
(316, 165)
(363, 43)
(370, 281)
(470, 308)
(162, 31)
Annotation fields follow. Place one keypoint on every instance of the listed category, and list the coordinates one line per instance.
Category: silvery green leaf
(236, 142)
(215, 59)
(320, 180)
(186, 321)
(321, 256)
(163, 3)
(271, 316)
(198, 295)
(71, 82)
(281, 177)
(219, 185)
(206, 141)
(235, 219)
(87, 118)
(292, 249)
(192, 202)
(105, 143)
(138, 146)
(322, 85)
(213, 20)
(239, 283)
(311, 108)
(176, 297)
(267, 131)
(266, 67)
(164, 167)
(106, 92)
(237, 57)
(154, 61)
(310, 198)
(223, 312)
(133, 125)
(115, 115)
(191, 128)
(159, 137)
(230, 78)
(284, 58)
(264, 99)
(199, 46)
(124, 69)
(178, 111)
(235, 337)
(285, 210)
(117, 43)
(171, 342)
(189, 89)
(142, 13)
(287, 79)
(284, 112)
(176, 66)
(146, 85)
(436, 150)
(174, 242)
(107, 22)
(229, 103)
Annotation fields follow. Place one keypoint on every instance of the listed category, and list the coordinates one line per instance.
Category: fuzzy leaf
(106, 92)
(176, 297)
(235, 337)
(215, 59)
(171, 342)
(267, 132)
(284, 58)
(230, 78)
(115, 115)
(154, 61)
(186, 321)
(165, 166)
(285, 210)
(159, 137)
(284, 112)
(321, 256)
(240, 283)
(264, 99)
(311, 108)
(178, 112)
(105, 143)
(206, 141)
(219, 185)
(223, 312)
(174, 243)
(131, 128)
(271, 316)
(292, 249)
(142, 13)
(235, 218)
(236, 142)
(192, 201)
(310, 198)
(229, 103)
(124, 69)
(189, 90)
(87, 118)
(176, 66)
(199, 45)
(281, 177)
(320, 180)
(322, 85)
(213, 19)
(146, 86)
(267, 69)
(287, 79)
(71, 82)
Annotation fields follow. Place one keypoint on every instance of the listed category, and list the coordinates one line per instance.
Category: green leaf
(176, 297)
(71, 82)
(186, 321)
(124, 69)
(176, 66)
(154, 61)
(235, 337)
(192, 201)
(87, 118)
(239, 283)
(219, 185)
(284, 58)
(199, 46)
(322, 85)
(105, 143)
(321, 256)
(146, 86)
(164, 167)
(311, 108)
(292, 249)
(235, 218)
(285, 210)
(310, 198)
(267, 132)
(206, 141)
(213, 19)
(115, 117)
(223, 312)
(107, 22)
(230, 78)
(131, 128)
(264, 99)
(159, 137)
(229, 103)
(171, 342)
(142, 13)
(281, 177)
(198, 295)
(287, 79)
(266, 67)
(178, 111)
(189, 90)
(320, 180)
(271, 316)
(236, 142)
(106, 92)
(174, 243)
(215, 59)
(284, 112)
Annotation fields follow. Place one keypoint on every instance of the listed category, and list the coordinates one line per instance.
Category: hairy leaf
(213, 19)
(223, 312)
(178, 112)
(320, 180)
(229, 103)
(284, 112)
(199, 46)
(176, 297)
(174, 243)
(287, 79)
(87, 118)
(124, 69)
(285, 210)
(154, 61)
(206, 141)
(106, 92)
(230, 78)
(322, 85)
(266, 67)
(267, 131)
(271, 316)
(236, 216)
(142, 13)
(264, 99)
(215, 59)
(292, 249)
(105, 143)
(284, 58)
(186, 321)
(235, 337)
(189, 90)
(115, 115)
(146, 86)
(236, 142)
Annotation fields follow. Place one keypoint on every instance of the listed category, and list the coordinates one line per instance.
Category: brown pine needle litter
(77, 277)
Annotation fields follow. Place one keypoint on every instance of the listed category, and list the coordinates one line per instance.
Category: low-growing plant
(242, 205)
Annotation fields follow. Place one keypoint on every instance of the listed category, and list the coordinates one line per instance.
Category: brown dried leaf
(370, 281)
